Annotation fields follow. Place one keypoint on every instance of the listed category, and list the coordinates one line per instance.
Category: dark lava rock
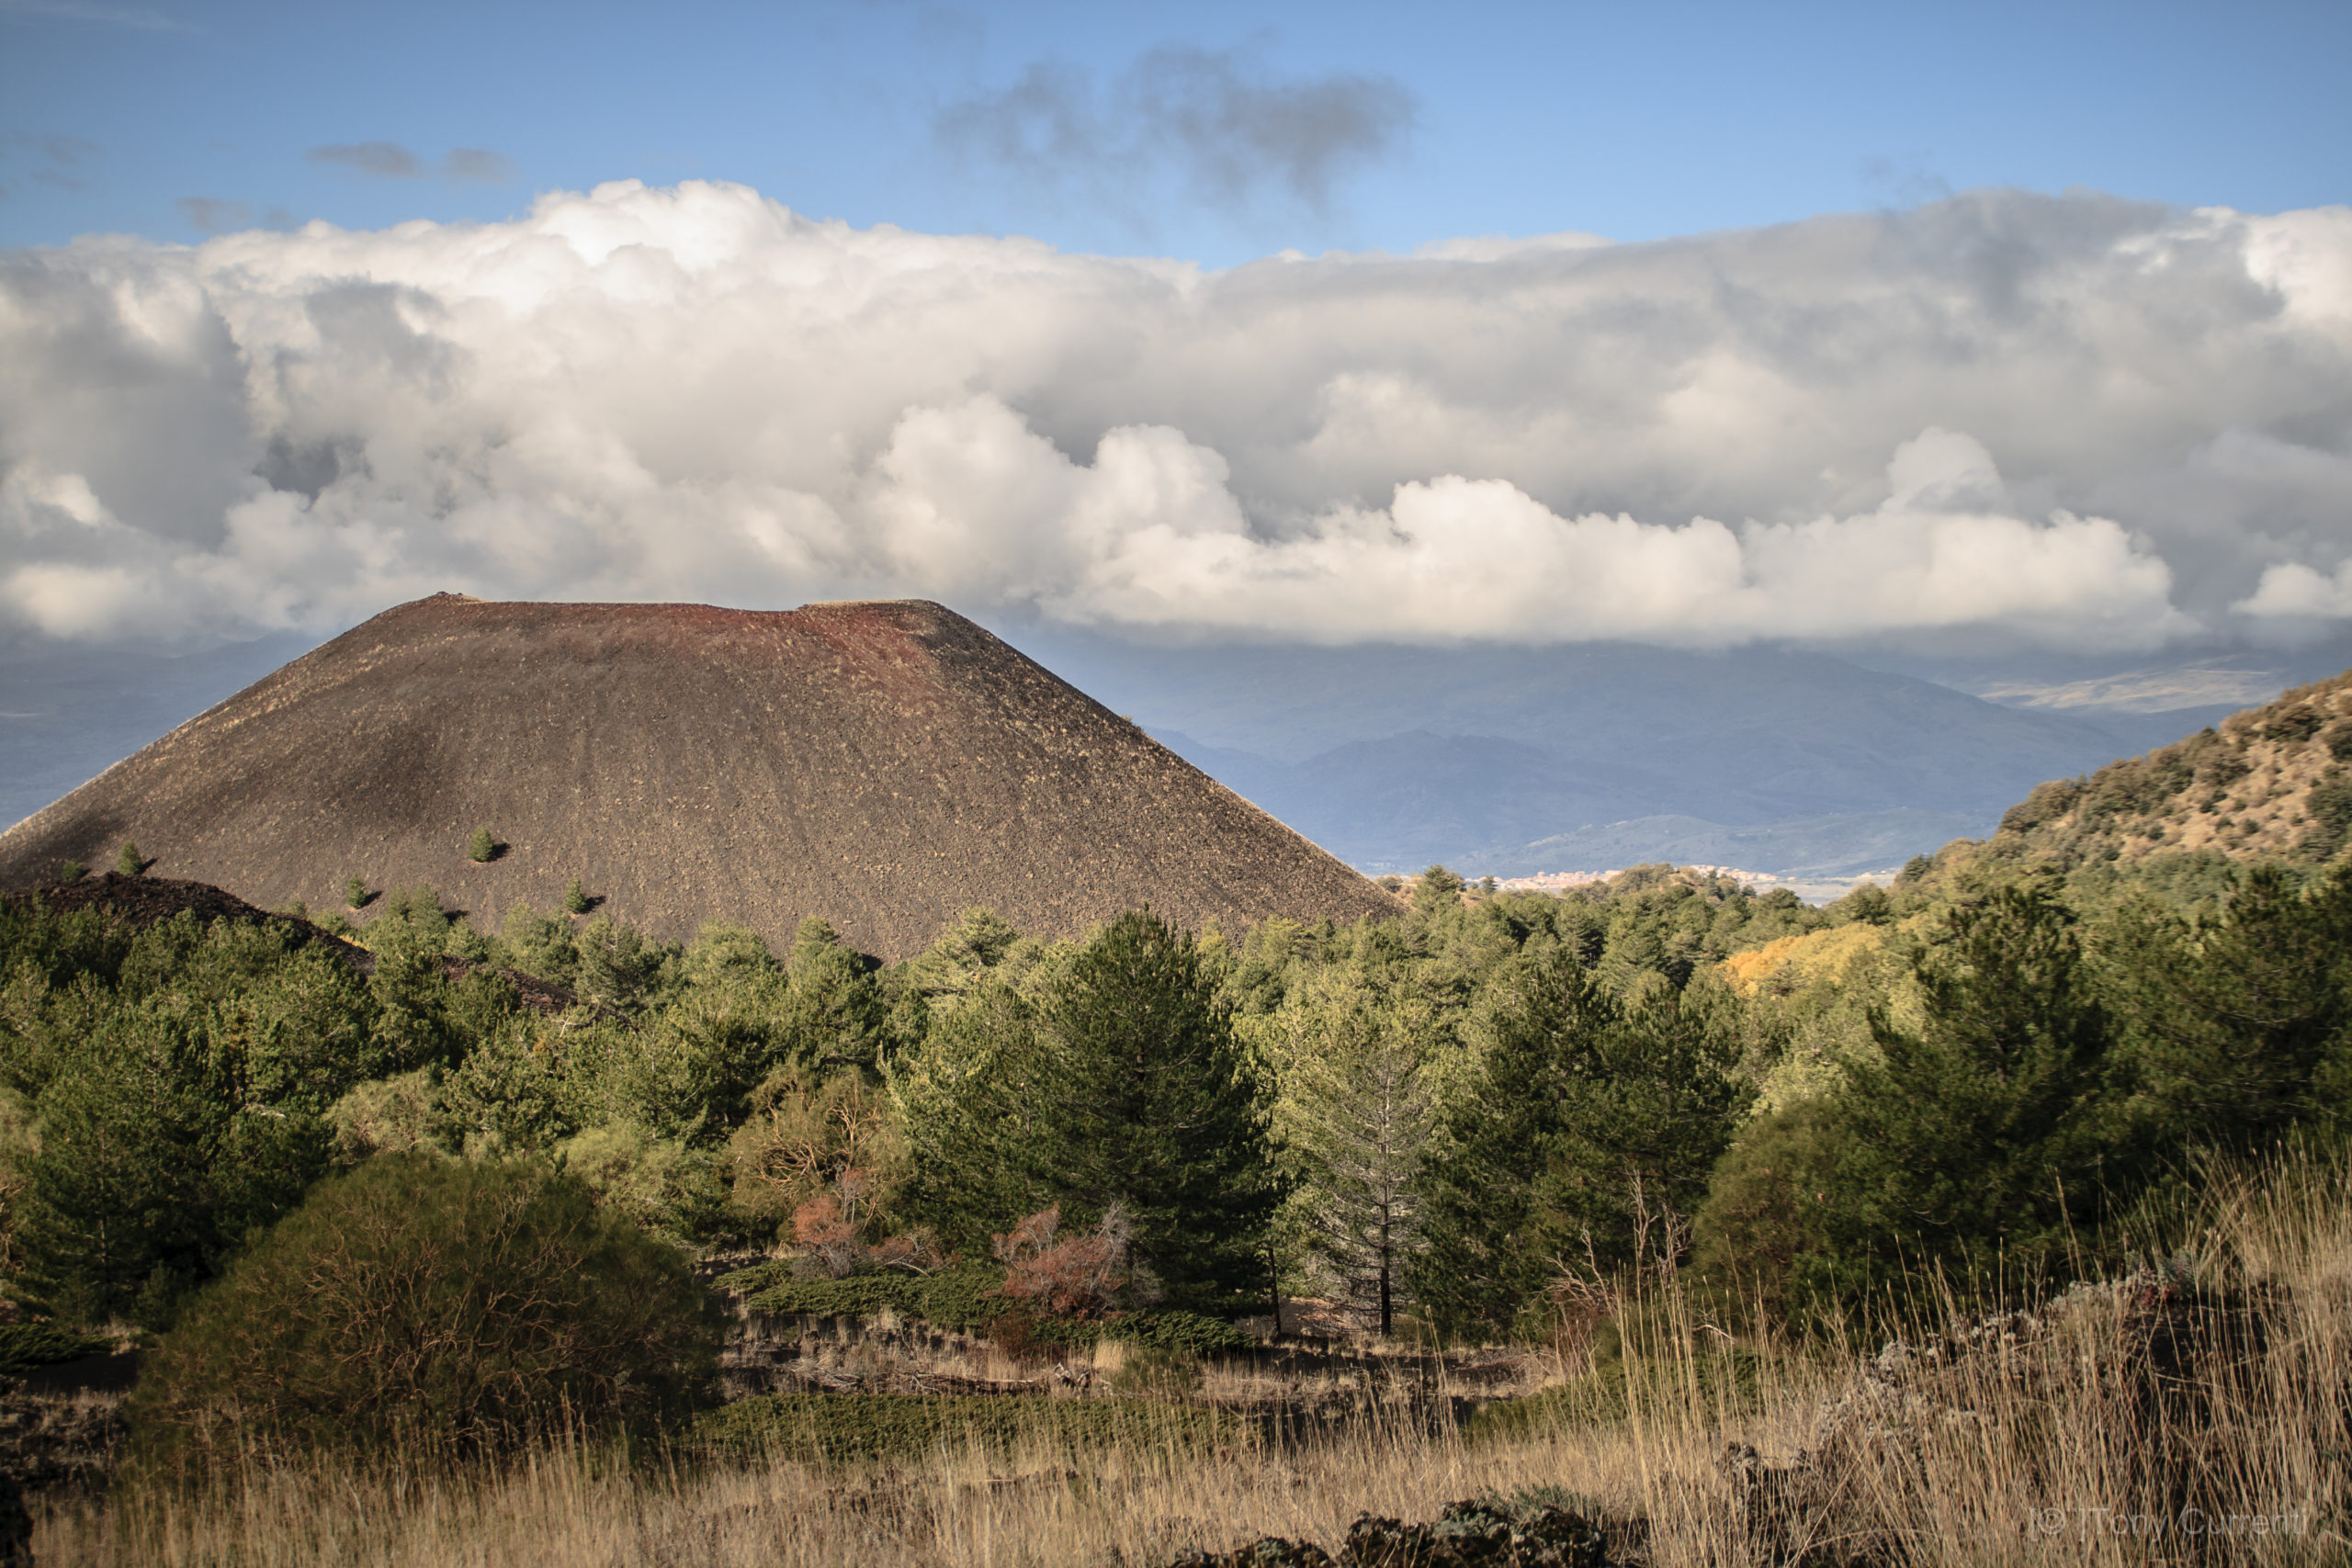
(142, 901)
(1490, 1532)
(16, 1525)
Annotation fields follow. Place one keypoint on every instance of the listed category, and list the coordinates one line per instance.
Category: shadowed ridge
(884, 765)
(140, 902)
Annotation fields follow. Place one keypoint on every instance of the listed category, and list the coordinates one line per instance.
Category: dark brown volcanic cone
(885, 765)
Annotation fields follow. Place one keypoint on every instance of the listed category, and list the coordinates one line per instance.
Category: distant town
(1812, 889)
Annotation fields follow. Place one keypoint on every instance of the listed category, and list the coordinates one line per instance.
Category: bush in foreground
(453, 1307)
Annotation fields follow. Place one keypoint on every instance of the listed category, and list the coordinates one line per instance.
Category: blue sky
(1210, 131)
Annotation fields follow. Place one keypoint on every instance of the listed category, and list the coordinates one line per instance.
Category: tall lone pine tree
(1357, 1122)
(1147, 1102)
(1122, 1084)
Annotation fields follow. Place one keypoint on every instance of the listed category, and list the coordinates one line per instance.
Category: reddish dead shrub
(827, 1238)
(830, 1231)
(1078, 1277)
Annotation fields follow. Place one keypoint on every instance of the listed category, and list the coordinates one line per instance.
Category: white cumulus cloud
(2076, 422)
(2293, 590)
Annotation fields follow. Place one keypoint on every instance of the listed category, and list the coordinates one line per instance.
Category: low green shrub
(967, 1297)
(1187, 1332)
(24, 1346)
(1170, 1330)
(1157, 1374)
(954, 1298)
(903, 1428)
(438, 1305)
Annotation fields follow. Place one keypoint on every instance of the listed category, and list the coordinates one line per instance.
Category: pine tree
(156, 1157)
(129, 863)
(1585, 1141)
(969, 1102)
(482, 846)
(355, 894)
(1146, 1102)
(834, 1013)
(1977, 1141)
(1438, 891)
(1357, 1116)
(2237, 1026)
(615, 968)
(575, 898)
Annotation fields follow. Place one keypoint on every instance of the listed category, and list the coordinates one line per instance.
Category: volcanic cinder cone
(885, 765)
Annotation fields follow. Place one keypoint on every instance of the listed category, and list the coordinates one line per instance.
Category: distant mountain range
(67, 714)
(1514, 760)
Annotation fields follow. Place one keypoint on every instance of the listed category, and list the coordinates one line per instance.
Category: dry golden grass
(2045, 1449)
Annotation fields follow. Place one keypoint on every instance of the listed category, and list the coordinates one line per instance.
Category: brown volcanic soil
(885, 765)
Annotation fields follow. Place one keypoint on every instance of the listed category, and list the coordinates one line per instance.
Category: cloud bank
(2071, 423)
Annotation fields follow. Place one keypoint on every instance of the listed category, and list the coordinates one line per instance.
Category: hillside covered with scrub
(2269, 783)
(1668, 1147)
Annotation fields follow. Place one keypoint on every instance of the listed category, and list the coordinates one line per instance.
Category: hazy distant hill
(883, 765)
(67, 714)
(1517, 760)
